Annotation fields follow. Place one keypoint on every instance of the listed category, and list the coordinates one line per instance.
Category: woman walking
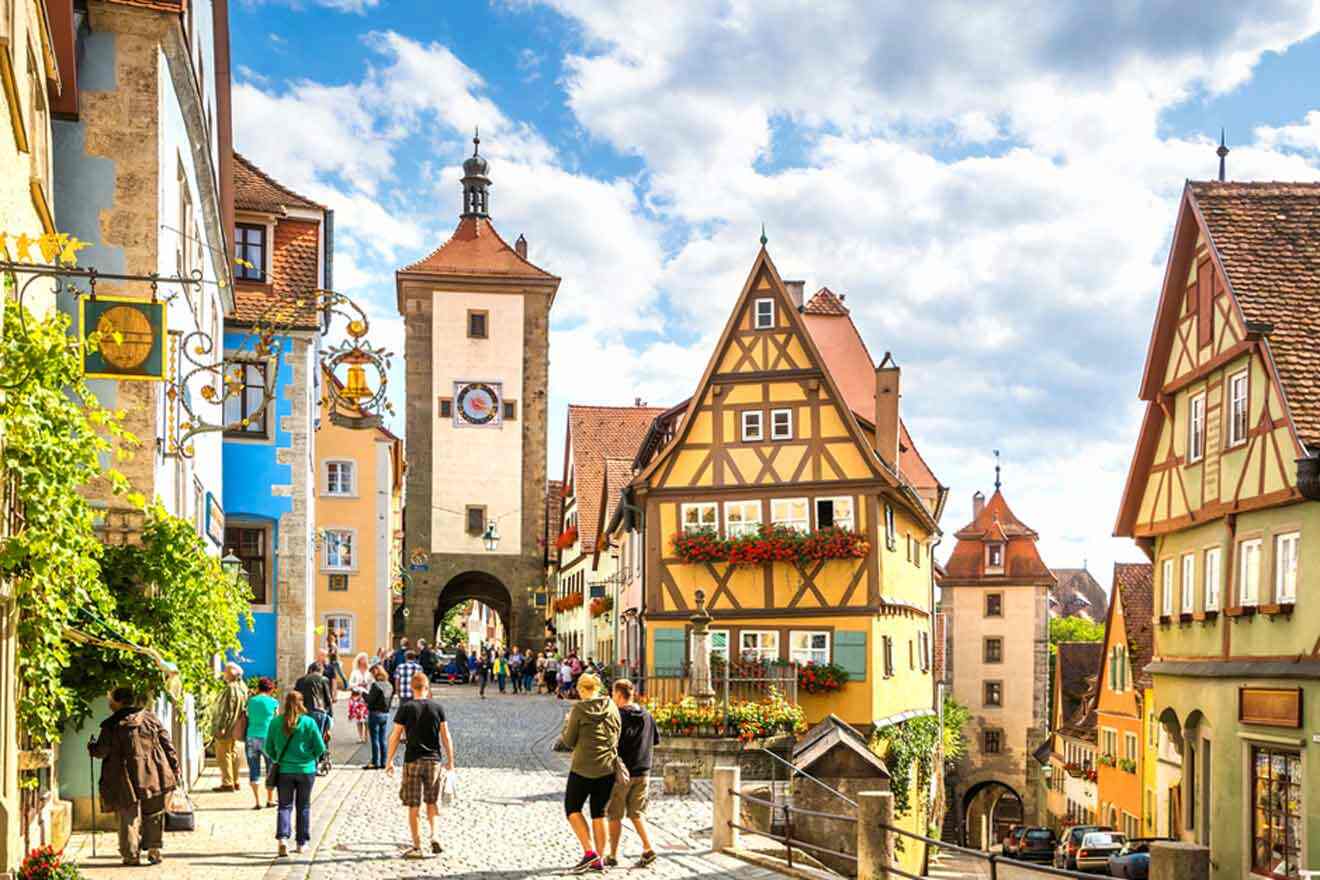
(591, 730)
(294, 745)
(358, 685)
(261, 708)
(378, 715)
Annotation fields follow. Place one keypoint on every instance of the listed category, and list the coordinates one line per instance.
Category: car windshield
(1103, 838)
(1039, 835)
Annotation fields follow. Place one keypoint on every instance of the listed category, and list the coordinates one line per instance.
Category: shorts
(630, 799)
(581, 791)
(421, 783)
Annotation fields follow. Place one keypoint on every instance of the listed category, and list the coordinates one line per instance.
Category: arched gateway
(476, 327)
(990, 809)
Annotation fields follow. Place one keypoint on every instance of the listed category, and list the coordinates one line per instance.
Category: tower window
(994, 605)
(765, 314)
(477, 321)
(991, 742)
(476, 519)
(994, 555)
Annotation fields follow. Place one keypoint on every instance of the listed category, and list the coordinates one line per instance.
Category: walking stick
(91, 768)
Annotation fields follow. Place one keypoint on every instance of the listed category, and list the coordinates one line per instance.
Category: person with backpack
(638, 737)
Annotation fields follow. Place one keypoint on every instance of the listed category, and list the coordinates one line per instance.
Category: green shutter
(850, 653)
(670, 651)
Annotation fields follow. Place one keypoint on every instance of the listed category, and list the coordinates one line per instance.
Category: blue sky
(993, 187)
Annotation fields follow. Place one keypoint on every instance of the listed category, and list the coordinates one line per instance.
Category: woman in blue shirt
(294, 743)
(261, 707)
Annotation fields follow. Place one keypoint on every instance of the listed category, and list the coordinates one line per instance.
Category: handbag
(180, 815)
(238, 730)
(273, 770)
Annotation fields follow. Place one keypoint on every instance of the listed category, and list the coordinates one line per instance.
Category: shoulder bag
(273, 771)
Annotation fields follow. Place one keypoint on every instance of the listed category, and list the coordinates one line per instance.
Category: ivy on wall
(910, 747)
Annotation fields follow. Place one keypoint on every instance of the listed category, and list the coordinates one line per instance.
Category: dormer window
(765, 314)
(250, 249)
(994, 556)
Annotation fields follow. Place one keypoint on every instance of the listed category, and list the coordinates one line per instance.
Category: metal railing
(787, 838)
(994, 860)
(731, 682)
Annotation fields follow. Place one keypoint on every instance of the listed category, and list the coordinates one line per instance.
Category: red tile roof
(255, 190)
(849, 363)
(476, 248)
(1267, 236)
(288, 299)
(595, 435)
(1076, 665)
(996, 522)
(1079, 593)
(1133, 587)
(554, 512)
(618, 474)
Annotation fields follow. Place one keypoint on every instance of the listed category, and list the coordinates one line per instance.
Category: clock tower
(476, 317)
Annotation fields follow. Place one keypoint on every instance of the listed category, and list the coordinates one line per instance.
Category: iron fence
(994, 861)
(732, 682)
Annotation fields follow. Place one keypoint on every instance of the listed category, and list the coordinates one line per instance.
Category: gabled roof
(1078, 592)
(255, 190)
(476, 249)
(997, 523)
(833, 732)
(1075, 665)
(618, 474)
(849, 362)
(1266, 237)
(597, 434)
(554, 512)
(1135, 595)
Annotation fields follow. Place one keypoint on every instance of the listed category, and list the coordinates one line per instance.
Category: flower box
(1127, 765)
(602, 605)
(568, 603)
(770, 544)
(821, 678)
(567, 538)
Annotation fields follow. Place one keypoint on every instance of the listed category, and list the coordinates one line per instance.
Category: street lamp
(231, 564)
(491, 536)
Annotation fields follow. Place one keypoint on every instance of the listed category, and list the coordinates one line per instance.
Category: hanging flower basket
(567, 538)
(568, 603)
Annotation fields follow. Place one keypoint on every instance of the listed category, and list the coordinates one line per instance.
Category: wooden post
(1174, 860)
(726, 780)
(875, 844)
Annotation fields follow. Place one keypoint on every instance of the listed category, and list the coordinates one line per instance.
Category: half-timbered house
(773, 441)
(1222, 495)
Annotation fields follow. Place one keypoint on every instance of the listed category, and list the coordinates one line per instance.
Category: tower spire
(476, 185)
(1222, 152)
(764, 240)
(997, 483)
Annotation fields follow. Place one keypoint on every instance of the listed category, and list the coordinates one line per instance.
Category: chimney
(521, 247)
(978, 504)
(796, 289)
(887, 395)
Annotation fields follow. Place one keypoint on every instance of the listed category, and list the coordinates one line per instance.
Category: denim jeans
(295, 786)
(254, 757)
(501, 680)
(325, 721)
(376, 724)
(529, 682)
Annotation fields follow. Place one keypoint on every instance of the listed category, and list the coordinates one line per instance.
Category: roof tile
(599, 434)
(1133, 585)
(255, 190)
(476, 248)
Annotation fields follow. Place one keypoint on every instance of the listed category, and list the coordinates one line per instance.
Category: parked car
(1071, 840)
(1013, 840)
(1133, 861)
(1037, 845)
(1096, 848)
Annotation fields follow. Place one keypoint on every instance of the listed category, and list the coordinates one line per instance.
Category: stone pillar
(726, 780)
(1174, 860)
(875, 844)
(702, 690)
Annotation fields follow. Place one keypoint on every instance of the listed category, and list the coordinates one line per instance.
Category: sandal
(413, 852)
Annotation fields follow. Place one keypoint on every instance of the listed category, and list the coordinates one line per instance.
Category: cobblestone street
(508, 821)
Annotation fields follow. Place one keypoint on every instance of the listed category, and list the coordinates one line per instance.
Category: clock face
(478, 403)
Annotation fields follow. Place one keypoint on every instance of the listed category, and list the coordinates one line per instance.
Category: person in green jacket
(294, 745)
(591, 730)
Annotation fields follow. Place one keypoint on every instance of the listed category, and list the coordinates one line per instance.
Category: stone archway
(990, 809)
(479, 585)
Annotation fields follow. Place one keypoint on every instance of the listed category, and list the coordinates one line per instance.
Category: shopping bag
(180, 815)
(449, 789)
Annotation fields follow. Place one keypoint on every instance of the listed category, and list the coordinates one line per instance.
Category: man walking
(403, 677)
(228, 726)
(422, 720)
(638, 737)
(140, 767)
(318, 701)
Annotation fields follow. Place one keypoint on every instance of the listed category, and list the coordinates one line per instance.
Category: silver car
(1096, 848)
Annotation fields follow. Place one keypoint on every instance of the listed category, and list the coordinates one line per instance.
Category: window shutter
(670, 650)
(850, 653)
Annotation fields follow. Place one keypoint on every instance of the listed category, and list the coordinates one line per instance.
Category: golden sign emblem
(126, 337)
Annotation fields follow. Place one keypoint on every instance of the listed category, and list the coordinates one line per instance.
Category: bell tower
(476, 327)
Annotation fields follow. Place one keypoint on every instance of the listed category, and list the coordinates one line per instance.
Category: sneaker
(284, 850)
(153, 857)
(413, 852)
(646, 861)
(436, 849)
(585, 864)
(596, 867)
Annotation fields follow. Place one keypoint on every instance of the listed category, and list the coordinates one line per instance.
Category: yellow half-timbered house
(794, 427)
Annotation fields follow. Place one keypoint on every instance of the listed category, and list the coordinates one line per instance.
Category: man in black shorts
(429, 744)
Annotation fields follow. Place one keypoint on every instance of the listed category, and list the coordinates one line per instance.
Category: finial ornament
(764, 240)
(1222, 153)
(476, 139)
(997, 483)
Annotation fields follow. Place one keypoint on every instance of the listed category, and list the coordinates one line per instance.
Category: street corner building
(476, 317)
(283, 242)
(794, 427)
(1223, 495)
(995, 600)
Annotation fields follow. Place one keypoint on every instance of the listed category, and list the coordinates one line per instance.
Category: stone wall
(294, 596)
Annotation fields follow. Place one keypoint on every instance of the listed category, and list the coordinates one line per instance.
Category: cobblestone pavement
(508, 821)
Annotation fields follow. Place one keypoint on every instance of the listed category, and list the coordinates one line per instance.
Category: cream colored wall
(471, 465)
(1016, 628)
